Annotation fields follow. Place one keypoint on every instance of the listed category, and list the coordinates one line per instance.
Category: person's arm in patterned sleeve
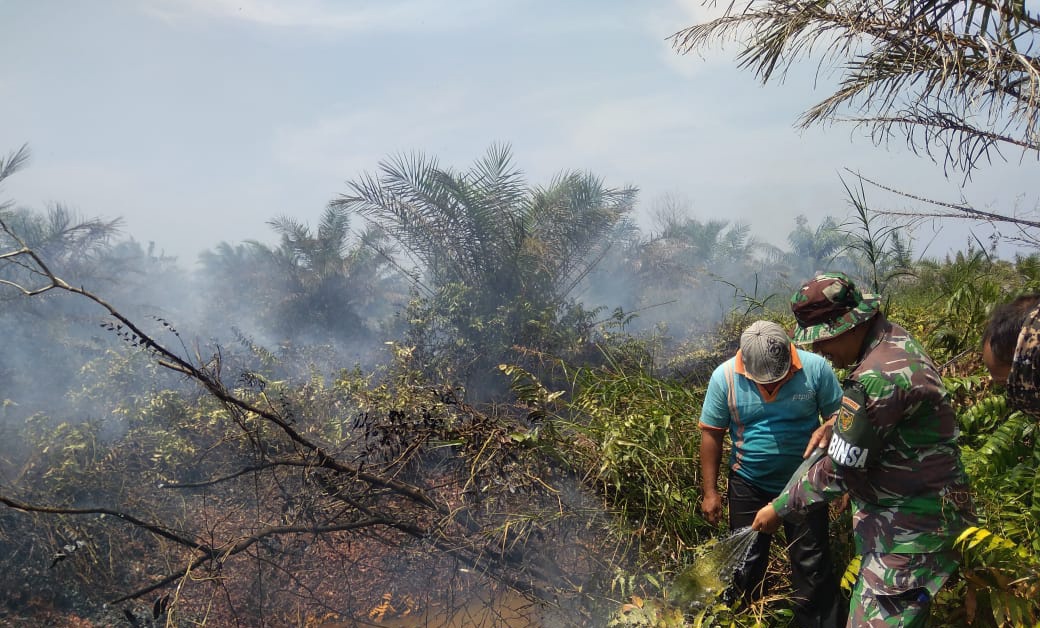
(821, 482)
(886, 401)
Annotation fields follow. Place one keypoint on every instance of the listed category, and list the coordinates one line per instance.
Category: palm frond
(291, 229)
(14, 162)
(571, 217)
(400, 201)
(328, 248)
(484, 229)
(956, 76)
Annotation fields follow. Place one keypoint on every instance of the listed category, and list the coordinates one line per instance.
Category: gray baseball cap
(765, 349)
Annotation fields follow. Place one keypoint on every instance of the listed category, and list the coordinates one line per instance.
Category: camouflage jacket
(1023, 386)
(914, 497)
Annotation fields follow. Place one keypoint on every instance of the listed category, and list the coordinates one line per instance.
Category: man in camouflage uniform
(893, 449)
(1011, 351)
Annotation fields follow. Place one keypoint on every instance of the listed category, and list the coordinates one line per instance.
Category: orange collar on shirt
(796, 365)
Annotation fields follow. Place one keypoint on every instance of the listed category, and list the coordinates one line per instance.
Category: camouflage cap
(829, 305)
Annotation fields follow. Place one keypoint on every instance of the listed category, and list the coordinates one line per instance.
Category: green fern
(1003, 573)
(1008, 445)
(984, 415)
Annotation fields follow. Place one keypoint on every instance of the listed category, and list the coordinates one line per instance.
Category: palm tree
(684, 273)
(72, 246)
(497, 259)
(485, 228)
(313, 286)
(239, 281)
(331, 255)
(39, 334)
(814, 249)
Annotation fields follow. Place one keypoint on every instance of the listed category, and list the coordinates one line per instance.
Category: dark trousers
(815, 599)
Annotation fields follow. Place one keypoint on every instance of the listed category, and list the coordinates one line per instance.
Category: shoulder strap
(731, 390)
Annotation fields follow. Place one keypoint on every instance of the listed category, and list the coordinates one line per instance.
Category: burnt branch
(244, 544)
(154, 528)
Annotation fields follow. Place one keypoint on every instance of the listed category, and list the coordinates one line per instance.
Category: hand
(766, 520)
(711, 504)
(843, 503)
(820, 438)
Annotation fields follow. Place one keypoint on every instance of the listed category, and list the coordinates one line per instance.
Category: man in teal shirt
(770, 398)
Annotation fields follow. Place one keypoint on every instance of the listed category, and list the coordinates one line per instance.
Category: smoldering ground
(286, 422)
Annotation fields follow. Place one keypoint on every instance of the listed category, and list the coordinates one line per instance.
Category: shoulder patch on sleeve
(854, 443)
(850, 404)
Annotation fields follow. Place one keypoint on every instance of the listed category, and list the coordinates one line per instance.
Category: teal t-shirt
(769, 435)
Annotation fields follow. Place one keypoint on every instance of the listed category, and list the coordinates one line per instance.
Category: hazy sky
(199, 120)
